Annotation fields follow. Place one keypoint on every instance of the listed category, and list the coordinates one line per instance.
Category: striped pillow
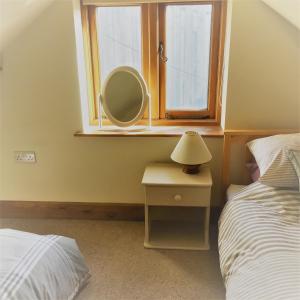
(294, 156)
(271, 155)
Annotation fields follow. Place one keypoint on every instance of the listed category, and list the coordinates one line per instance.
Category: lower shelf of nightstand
(176, 235)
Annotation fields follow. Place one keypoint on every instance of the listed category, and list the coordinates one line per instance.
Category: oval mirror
(124, 96)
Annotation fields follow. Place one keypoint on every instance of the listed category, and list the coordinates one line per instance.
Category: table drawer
(178, 196)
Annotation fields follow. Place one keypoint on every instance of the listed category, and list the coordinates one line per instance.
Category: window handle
(161, 52)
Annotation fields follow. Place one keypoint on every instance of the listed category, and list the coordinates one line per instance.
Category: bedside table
(177, 207)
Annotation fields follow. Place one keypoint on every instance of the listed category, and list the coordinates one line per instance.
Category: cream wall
(1, 133)
(289, 9)
(264, 69)
(40, 111)
(15, 15)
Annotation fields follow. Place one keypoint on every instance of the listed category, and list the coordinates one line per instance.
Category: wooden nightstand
(177, 207)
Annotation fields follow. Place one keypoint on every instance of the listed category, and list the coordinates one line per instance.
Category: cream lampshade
(191, 151)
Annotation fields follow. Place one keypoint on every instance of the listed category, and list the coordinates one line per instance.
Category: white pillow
(271, 155)
(294, 156)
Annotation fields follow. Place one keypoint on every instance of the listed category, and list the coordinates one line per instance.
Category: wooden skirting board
(71, 210)
(78, 210)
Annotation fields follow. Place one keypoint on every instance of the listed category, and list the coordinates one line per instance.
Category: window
(177, 47)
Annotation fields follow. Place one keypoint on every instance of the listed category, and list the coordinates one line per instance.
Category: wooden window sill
(155, 131)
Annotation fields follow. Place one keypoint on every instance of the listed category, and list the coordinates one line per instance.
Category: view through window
(119, 38)
(187, 49)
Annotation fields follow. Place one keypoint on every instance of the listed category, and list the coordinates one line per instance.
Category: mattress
(39, 267)
(234, 189)
(259, 244)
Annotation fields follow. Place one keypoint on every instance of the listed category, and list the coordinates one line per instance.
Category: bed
(40, 267)
(259, 236)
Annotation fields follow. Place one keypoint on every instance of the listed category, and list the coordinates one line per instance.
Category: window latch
(161, 52)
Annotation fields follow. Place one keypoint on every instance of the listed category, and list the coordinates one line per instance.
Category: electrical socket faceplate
(25, 156)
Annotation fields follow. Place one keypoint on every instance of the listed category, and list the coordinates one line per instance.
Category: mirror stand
(100, 112)
(149, 112)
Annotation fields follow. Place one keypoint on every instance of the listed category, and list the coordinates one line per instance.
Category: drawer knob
(177, 197)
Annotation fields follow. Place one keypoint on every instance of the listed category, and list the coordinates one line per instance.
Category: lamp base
(191, 169)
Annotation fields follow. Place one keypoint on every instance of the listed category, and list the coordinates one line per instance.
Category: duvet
(36, 267)
(259, 244)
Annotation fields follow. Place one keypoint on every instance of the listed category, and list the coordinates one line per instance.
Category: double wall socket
(25, 156)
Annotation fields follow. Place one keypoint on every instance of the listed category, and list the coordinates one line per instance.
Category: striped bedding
(37, 267)
(259, 244)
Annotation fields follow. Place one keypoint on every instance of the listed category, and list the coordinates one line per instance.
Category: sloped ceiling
(16, 15)
(289, 9)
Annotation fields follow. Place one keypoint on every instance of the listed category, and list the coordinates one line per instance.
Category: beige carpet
(123, 270)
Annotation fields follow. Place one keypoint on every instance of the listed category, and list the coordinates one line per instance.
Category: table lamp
(191, 151)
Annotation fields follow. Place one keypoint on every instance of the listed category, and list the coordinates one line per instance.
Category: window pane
(187, 48)
(119, 38)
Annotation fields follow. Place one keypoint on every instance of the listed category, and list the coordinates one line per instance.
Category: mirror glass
(124, 96)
